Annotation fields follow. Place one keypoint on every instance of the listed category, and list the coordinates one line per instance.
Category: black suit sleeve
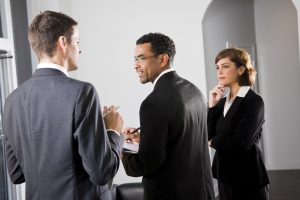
(14, 169)
(152, 149)
(99, 152)
(246, 130)
(213, 115)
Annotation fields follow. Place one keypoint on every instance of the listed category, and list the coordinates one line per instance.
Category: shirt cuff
(116, 132)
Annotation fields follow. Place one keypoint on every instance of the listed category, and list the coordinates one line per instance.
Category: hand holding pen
(132, 135)
(112, 119)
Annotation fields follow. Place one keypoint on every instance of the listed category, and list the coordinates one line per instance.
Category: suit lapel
(236, 104)
(233, 109)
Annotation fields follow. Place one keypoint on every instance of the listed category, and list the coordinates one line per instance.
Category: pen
(135, 130)
(104, 115)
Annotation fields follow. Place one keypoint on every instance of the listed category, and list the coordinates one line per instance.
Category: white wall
(108, 31)
(108, 34)
(278, 59)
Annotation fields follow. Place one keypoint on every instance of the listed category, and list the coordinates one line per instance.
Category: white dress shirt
(53, 66)
(241, 93)
(162, 73)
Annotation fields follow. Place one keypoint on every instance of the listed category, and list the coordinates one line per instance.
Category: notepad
(129, 147)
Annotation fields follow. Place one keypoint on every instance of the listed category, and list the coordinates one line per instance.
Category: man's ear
(164, 60)
(62, 44)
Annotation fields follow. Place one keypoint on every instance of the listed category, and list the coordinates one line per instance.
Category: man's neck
(55, 60)
(166, 70)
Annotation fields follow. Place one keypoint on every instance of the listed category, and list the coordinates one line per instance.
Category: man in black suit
(55, 136)
(173, 156)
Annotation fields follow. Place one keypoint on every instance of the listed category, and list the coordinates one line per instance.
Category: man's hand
(132, 135)
(112, 119)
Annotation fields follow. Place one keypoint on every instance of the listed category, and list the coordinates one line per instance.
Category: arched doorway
(272, 27)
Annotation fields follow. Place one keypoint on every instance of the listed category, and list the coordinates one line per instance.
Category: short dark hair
(239, 57)
(160, 44)
(45, 30)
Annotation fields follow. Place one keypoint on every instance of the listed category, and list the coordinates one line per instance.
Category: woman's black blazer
(238, 160)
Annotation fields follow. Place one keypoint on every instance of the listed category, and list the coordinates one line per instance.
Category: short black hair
(160, 44)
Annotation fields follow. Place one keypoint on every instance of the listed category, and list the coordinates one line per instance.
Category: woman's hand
(215, 95)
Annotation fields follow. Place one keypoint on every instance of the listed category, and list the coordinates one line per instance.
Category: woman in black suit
(235, 120)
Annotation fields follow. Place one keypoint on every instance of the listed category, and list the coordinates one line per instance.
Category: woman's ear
(241, 70)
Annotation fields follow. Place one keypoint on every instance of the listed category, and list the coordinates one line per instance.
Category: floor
(284, 185)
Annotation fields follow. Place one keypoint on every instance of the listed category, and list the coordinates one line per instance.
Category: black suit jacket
(56, 140)
(238, 160)
(173, 155)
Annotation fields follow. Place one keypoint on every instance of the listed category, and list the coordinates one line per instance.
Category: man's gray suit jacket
(56, 140)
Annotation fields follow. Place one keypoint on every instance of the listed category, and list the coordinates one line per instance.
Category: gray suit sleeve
(99, 152)
(14, 169)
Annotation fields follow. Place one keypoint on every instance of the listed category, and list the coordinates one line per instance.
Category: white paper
(129, 147)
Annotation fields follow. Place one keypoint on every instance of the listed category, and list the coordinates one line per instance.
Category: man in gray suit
(57, 140)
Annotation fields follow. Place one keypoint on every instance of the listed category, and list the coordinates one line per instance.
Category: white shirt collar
(162, 73)
(53, 66)
(241, 93)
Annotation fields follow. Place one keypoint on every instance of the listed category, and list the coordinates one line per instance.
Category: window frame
(8, 82)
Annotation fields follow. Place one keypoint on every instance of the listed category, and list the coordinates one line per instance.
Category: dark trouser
(228, 192)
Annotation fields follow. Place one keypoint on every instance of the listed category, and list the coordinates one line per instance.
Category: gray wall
(22, 48)
(225, 21)
(278, 58)
(1, 32)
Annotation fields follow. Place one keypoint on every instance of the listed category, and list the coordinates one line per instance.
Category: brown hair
(239, 57)
(45, 30)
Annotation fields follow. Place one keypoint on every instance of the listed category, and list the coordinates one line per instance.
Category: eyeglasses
(139, 60)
